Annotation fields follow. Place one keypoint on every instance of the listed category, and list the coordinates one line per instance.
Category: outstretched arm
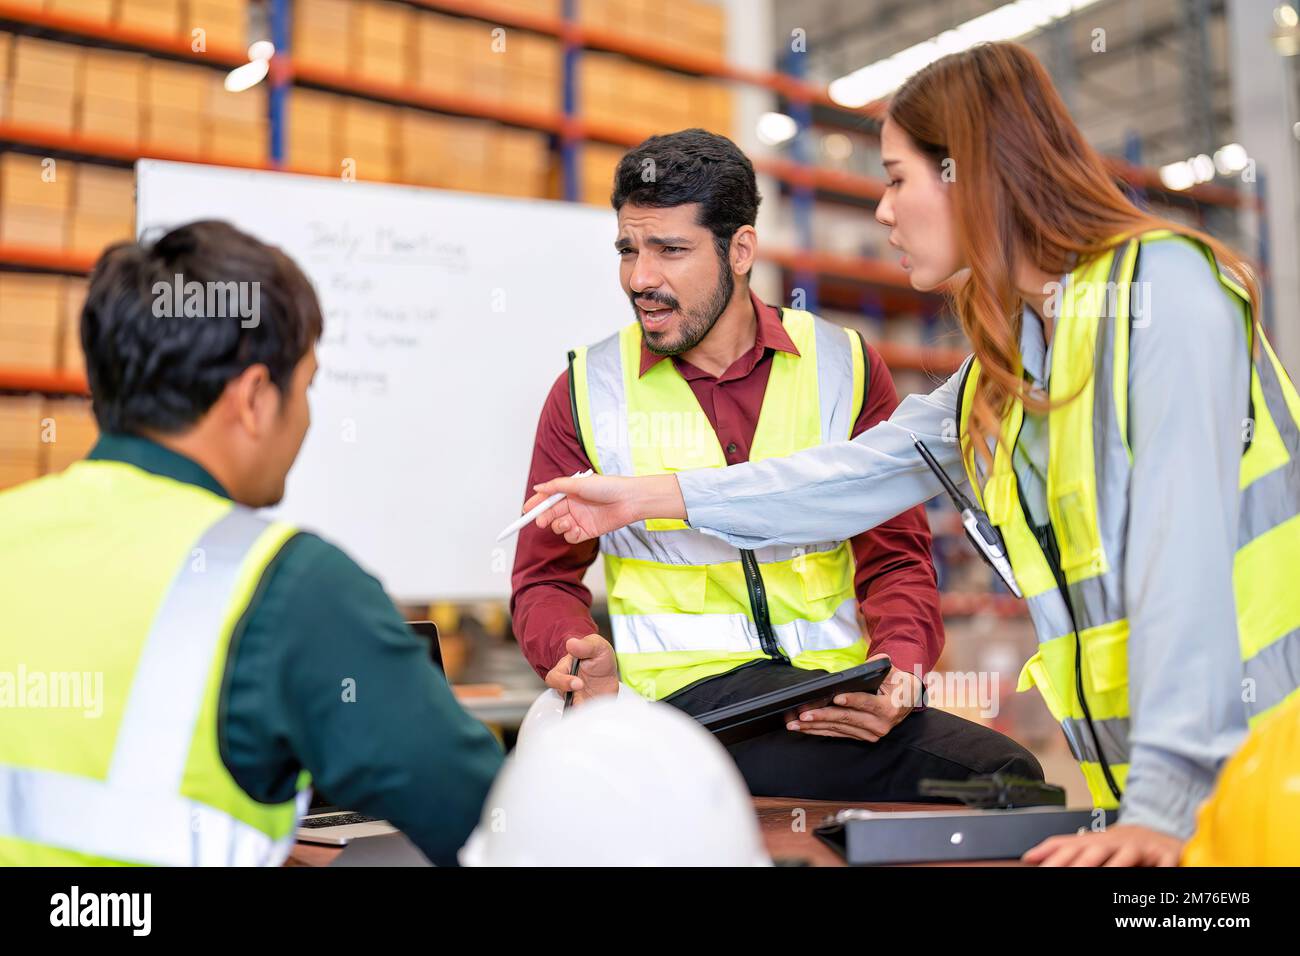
(831, 491)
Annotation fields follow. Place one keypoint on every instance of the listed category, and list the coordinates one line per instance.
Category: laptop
(330, 825)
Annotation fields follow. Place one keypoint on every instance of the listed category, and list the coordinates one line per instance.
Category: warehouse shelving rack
(858, 283)
(806, 182)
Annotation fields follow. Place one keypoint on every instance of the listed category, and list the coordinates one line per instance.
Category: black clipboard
(867, 837)
(772, 711)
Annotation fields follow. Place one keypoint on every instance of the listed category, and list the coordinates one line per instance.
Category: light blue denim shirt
(1188, 399)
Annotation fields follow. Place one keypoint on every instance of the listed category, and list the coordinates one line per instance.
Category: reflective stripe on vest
(679, 602)
(1087, 493)
(140, 812)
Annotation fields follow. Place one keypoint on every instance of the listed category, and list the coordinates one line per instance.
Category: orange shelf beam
(123, 36)
(31, 380)
(916, 358)
(831, 180)
(611, 41)
(109, 148)
(343, 82)
(1211, 194)
(58, 260)
(855, 268)
(606, 40)
(507, 17)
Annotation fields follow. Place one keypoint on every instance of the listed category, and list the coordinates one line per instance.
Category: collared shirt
(1188, 384)
(894, 579)
(317, 621)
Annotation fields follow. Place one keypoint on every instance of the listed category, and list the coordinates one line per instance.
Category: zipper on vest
(1047, 542)
(758, 604)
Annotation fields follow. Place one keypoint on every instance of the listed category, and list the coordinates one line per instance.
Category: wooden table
(787, 824)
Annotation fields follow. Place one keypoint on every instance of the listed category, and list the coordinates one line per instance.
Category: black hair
(153, 366)
(691, 166)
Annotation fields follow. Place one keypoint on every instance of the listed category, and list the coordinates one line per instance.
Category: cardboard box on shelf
(334, 16)
(90, 233)
(112, 119)
(6, 60)
(518, 163)
(101, 11)
(366, 139)
(35, 226)
(312, 142)
(224, 23)
(20, 439)
(422, 147)
(30, 306)
(322, 51)
(111, 98)
(233, 141)
(158, 17)
(71, 357)
(312, 112)
(176, 85)
(382, 34)
(46, 63)
(104, 191)
(381, 21)
(236, 129)
(365, 122)
(597, 166)
(540, 8)
(219, 103)
(71, 425)
(174, 131)
(318, 156)
(37, 106)
(113, 73)
(710, 29)
(37, 181)
(443, 53)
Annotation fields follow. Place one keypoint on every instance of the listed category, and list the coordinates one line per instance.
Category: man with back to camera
(708, 376)
(238, 654)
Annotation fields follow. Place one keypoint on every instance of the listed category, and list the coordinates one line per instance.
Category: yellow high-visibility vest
(686, 606)
(1074, 586)
(120, 593)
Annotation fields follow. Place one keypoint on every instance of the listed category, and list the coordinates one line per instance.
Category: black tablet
(773, 711)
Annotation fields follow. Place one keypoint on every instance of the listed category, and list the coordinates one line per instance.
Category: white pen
(532, 515)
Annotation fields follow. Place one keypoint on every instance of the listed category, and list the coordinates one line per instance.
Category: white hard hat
(547, 710)
(618, 783)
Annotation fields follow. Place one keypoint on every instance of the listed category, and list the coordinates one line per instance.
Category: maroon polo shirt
(894, 581)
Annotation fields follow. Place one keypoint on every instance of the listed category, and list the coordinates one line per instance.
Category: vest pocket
(1035, 673)
(824, 574)
(1105, 656)
(646, 588)
(1076, 530)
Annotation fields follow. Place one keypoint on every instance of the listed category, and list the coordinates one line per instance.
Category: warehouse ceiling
(1161, 82)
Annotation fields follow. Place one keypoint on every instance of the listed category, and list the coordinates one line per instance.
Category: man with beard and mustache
(708, 376)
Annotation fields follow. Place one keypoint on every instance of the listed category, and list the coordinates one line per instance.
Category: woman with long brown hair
(1122, 423)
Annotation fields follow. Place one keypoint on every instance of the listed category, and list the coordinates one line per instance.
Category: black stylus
(573, 672)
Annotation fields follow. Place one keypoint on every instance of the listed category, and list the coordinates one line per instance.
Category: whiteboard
(448, 316)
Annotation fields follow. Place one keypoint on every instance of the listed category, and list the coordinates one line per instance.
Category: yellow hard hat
(1253, 816)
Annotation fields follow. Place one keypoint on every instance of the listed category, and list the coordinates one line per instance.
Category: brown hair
(1029, 189)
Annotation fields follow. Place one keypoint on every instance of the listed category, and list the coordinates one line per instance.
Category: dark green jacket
(403, 750)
